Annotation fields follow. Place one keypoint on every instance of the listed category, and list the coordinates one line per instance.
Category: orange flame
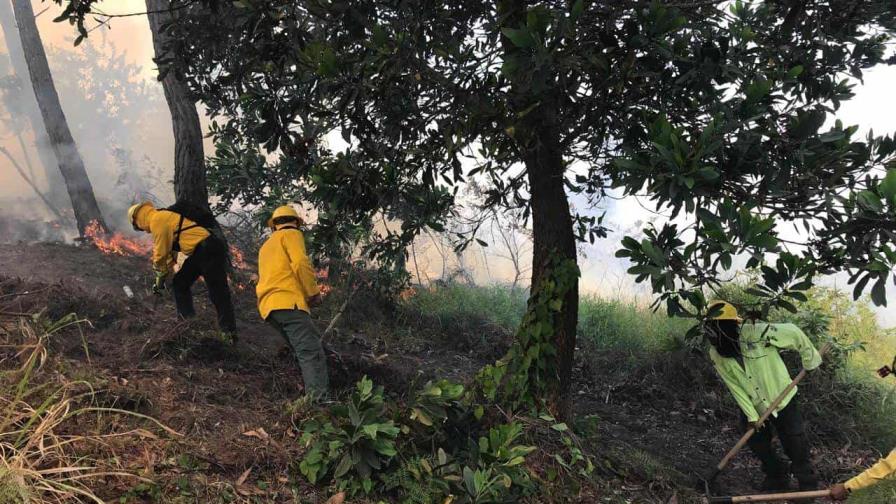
(116, 243)
(238, 259)
(323, 276)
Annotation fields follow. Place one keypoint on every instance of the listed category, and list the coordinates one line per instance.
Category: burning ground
(231, 413)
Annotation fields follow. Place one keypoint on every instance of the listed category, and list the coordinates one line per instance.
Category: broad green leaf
(519, 37)
(888, 187)
(869, 201)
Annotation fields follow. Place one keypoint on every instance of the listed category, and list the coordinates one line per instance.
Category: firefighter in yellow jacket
(206, 255)
(885, 468)
(287, 289)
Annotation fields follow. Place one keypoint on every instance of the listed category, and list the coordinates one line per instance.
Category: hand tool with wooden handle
(752, 430)
(778, 497)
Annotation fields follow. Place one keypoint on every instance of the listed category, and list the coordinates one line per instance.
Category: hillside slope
(653, 425)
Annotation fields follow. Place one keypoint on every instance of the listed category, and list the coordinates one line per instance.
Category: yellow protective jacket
(883, 469)
(285, 275)
(163, 225)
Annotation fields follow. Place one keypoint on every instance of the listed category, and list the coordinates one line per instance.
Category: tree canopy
(718, 111)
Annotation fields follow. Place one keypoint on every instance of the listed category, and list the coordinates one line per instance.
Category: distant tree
(70, 164)
(22, 104)
(713, 109)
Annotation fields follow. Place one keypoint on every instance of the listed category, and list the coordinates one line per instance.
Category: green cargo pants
(299, 331)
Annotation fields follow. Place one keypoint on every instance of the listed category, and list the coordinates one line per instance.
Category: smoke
(118, 117)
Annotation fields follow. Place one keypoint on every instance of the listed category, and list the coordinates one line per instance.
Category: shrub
(438, 456)
(355, 441)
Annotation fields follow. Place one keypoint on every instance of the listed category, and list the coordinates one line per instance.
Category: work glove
(158, 287)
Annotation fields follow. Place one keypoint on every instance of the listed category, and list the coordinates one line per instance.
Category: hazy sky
(873, 107)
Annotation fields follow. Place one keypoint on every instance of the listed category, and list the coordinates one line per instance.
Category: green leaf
(519, 37)
(832, 136)
(888, 187)
(345, 464)
(860, 286)
(560, 427)
(869, 201)
(577, 9)
(725, 259)
(371, 430)
(795, 72)
(365, 386)
(515, 461)
(879, 291)
(470, 481)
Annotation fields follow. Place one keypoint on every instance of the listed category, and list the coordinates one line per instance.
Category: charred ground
(652, 422)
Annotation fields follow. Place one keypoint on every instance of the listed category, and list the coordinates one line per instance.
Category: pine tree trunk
(70, 163)
(189, 159)
(28, 104)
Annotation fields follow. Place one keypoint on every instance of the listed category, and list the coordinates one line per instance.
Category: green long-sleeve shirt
(763, 376)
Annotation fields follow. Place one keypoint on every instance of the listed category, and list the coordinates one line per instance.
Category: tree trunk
(189, 159)
(553, 234)
(537, 136)
(76, 181)
(28, 104)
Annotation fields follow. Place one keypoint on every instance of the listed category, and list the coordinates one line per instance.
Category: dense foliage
(715, 110)
(439, 447)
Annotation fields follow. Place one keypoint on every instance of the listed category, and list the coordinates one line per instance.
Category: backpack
(202, 218)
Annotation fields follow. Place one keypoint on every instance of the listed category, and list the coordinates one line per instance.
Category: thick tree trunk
(537, 135)
(189, 159)
(28, 104)
(76, 181)
(553, 234)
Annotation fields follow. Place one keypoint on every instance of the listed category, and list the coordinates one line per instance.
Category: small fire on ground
(237, 258)
(116, 243)
(323, 277)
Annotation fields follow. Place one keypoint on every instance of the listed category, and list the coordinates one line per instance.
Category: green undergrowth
(440, 446)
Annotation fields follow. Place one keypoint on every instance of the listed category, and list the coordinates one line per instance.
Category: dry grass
(39, 462)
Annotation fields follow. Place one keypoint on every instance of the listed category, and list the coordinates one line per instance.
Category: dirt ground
(231, 403)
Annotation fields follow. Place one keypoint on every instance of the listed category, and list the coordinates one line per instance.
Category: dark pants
(789, 426)
(209, 261)
(298, 330)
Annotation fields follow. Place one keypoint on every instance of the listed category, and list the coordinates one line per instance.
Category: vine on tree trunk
(526, 377)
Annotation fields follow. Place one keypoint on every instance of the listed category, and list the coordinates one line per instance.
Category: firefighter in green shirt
(746, 356)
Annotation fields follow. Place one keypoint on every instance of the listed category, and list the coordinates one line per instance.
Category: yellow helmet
(729, 312)
(134, 210)
(284, 211)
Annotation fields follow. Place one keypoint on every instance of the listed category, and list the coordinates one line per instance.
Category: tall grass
(456, 306)
(627, 324)
(608, 323)
(39, 463)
